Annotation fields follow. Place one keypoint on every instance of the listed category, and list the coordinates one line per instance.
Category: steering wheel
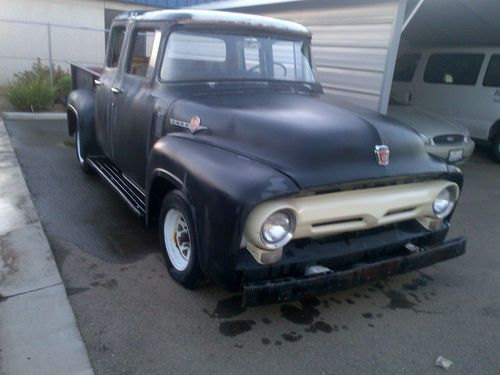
(253, 68)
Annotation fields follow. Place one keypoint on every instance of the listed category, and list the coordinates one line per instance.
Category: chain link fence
(23, 42)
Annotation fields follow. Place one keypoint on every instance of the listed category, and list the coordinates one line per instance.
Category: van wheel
(81, 153)
(178, 240)
(495, 147)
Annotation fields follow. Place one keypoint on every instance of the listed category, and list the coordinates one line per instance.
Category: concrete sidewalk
(38, 331)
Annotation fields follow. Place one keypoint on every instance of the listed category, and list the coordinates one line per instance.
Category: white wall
(22, 43)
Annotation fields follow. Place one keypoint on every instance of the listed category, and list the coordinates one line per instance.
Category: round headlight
(277, 230)
(444, 203)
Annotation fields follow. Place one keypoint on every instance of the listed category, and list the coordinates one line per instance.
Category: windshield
(196, 56)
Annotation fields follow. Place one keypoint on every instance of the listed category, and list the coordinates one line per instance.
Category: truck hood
(313, 141)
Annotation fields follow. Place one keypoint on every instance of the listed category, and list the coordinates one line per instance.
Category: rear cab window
(115, 46)
(453, 68)
(405, 67)
(492, 76)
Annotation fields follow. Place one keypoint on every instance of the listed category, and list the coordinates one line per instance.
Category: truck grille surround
(328, 214)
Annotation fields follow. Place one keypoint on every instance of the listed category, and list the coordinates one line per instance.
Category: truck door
(105, 87)
(134, 103)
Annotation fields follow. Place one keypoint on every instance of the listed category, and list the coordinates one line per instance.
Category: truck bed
(83, 77)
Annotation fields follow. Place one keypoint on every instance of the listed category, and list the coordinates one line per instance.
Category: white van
(460, 84)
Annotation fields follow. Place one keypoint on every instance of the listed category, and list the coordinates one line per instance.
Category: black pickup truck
(213, 127)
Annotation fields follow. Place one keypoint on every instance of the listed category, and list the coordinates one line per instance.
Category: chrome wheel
(81, 159)
(177, 239)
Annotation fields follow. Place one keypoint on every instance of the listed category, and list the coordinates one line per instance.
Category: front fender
(222, 187)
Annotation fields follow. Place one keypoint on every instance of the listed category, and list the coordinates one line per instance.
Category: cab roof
(210, 17)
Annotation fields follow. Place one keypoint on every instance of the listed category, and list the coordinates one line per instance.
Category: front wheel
(495, 148)
(178, 241)
(81, 153)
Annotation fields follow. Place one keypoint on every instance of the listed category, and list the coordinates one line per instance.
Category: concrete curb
(38, 329)
(27, 116)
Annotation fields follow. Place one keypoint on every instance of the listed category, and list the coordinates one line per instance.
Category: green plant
(31, 90)
(33, 94)
(63, 85)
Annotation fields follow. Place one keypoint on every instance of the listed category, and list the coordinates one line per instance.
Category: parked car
(212, 127)
(461, 84)
(442, 138)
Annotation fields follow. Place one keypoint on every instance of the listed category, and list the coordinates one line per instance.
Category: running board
(128, 191)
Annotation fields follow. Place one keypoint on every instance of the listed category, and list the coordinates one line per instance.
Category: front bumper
(443, 151)
(292, 288)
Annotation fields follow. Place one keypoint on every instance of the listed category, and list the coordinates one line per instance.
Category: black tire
(190, 276)
(81, 153)
(495, 147)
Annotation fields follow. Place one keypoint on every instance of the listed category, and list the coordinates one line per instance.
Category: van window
(453, 68)
(405, 67)
(492, 77)
(115, 46)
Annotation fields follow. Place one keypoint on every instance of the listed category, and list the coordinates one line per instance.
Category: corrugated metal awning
(455, 23)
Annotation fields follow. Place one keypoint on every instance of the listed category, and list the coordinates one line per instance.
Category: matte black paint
(264, 140)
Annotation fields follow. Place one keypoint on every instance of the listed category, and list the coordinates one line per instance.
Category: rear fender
(80, 111)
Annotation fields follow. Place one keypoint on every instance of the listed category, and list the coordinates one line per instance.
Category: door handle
(116, 90)
(97, 82)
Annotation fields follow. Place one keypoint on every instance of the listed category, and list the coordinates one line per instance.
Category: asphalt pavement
(135, 320)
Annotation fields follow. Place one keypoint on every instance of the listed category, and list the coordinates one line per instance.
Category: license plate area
(455, 155)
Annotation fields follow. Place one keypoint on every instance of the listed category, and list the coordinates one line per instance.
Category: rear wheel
(178, 241)
(81, 153)
(495, 147)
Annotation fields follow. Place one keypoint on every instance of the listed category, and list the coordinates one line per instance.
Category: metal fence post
(51, 67)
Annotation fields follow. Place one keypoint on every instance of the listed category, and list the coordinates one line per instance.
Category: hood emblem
(194, 125)
(382, 155)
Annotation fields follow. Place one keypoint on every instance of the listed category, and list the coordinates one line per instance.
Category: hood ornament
(194, 125)
(382, 155)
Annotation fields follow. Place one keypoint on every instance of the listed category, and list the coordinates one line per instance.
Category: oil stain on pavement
(307, 314)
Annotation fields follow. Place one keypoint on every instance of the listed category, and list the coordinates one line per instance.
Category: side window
(115, 46)
(144, 48)
(405, 67)
(453, 68)
(492, 76)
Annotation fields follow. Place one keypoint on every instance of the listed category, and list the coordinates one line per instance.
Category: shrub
(31, 90)
(33, 94)
(63, 87)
